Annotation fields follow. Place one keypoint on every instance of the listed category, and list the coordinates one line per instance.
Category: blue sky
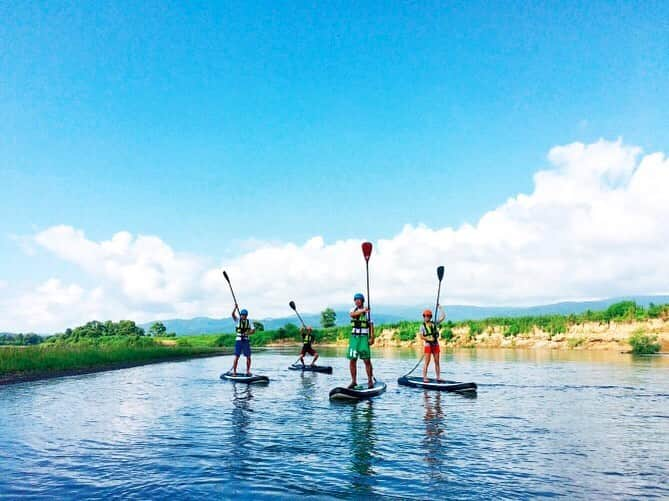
(209, 125)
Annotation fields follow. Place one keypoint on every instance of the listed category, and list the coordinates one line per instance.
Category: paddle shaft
(227, 279)
(417, 364)
(369, 303)
(298, 316)
(436, 308)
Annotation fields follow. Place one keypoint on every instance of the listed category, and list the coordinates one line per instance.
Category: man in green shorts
(362, 336)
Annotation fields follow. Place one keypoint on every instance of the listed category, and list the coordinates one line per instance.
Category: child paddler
(307, 348)
(242, 345)
(362, 335)
(430, 333)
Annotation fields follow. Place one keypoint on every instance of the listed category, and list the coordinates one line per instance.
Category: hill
(387, 314)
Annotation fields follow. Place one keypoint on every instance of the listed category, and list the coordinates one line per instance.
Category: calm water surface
(544, 424)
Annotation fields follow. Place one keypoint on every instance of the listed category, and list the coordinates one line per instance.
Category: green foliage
(95, 329)
(89, 353)
(575, 342)
(406, 331)
(643, 344)
(328, 318)
(624, 310)
(157, 329)
(658, 310)
(258, 326)
(20, 339)
(227, 340)
(446, 332)
(475, 328)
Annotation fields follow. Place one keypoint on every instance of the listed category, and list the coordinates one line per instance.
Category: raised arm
(442, 317)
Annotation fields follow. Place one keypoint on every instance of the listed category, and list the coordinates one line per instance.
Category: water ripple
(176, 430)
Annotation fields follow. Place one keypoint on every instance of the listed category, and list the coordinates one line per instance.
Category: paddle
(294, 308)
(440, 276)
(367, 253)
(227, 278)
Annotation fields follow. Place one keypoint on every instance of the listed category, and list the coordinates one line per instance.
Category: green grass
(575, 342)
(406, 331)
(62, 356)
(643, 344)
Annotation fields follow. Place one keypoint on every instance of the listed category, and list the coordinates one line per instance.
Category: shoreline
(14, 378)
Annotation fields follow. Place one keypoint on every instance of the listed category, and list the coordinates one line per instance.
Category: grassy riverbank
(97, 346)
(624, 326)
(63, 358)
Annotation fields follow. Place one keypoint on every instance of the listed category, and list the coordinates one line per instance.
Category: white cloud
(51, 305)
(594, 226)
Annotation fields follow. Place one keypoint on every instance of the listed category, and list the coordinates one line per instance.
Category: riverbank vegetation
(643, 344)
(105, 344)
(94, 346)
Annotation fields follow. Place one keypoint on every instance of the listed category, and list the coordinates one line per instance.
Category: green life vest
(243, 328)
(431, 332)
(360, 324)
(307, 337)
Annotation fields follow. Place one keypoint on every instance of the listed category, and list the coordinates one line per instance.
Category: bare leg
(234, 365)
(248, 365)
(353, 366)
(428, 356)
(370, 372)
(437, 366)
(302, 358)
(313, 362)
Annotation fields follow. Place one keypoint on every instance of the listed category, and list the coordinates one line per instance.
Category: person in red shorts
(307, 340)
(430, 334)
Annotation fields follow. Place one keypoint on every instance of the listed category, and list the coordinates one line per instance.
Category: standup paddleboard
(311, 368)
(433, 384)
(243, 378)
(359, 392)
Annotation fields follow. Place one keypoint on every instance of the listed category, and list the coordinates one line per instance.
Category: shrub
(406, 331)
(475, 328)
(574, 342)
(446, 333)
(624, 310)
(643, 344)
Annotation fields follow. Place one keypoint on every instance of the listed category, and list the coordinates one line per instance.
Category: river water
(576, 424)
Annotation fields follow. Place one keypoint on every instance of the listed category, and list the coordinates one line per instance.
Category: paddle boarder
(429, 331)
(307, 348)
(242, 344)
(362, 335)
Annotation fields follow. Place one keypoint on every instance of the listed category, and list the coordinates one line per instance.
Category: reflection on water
(240, 419)
(434, 427)
(362, 438)
(573, 424)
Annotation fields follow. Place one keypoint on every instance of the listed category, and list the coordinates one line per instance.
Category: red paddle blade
(367, 250)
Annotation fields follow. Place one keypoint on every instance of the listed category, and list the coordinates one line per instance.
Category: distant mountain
(389, 314)
(206, 325)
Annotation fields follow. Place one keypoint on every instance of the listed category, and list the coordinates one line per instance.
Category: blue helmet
(244, 312)
(359, 296)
